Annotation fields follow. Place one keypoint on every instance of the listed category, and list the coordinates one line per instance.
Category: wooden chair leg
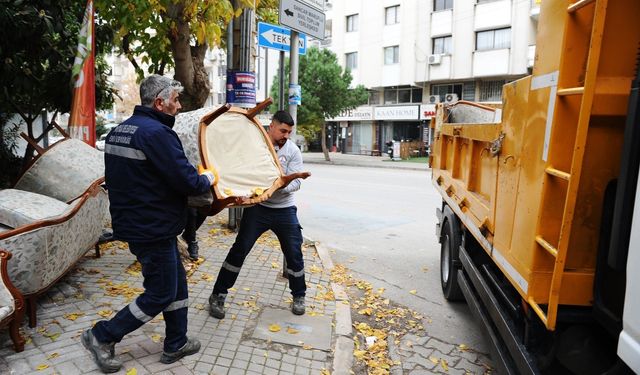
(14, 332)
(97, 250)
(31, 308)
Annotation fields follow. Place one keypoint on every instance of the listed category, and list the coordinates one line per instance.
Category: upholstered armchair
(11, 304)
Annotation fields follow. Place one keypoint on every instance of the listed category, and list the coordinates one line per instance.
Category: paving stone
(473, 368)
(441, 346)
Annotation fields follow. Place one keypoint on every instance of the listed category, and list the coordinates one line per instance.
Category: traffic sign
(318, 4)
(278, 37)
(302, 18)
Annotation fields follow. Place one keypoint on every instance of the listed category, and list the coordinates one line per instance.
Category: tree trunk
(189, 69)
(323, 141)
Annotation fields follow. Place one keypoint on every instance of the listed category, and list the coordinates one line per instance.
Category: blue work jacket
(148, 177)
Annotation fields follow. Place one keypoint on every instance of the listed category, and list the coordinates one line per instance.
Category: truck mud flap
(507, 351)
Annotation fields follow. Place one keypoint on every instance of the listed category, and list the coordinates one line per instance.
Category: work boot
(192, 249)
(216, 305)
(103, 354)
(297, 307)
(191, 347)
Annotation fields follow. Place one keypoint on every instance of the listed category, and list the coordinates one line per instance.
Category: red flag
(82, 124)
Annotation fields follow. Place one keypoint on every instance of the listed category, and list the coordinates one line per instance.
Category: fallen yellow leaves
(292, 331)
(134, 269)
(207, 277)
(105, 313)
(42, 367)
(156, 338)
(384, 322)
(413, 291)
(53, 355)
(307, 347)
(122, 289)
(315, 269)
(275, 265)
(132, 371)
(73, 316)
(274, 328)
(444, 364)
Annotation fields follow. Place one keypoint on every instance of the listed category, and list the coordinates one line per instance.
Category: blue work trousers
(165, 291)
(255, 221)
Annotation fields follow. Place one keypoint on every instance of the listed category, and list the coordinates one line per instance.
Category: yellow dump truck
(540, 225)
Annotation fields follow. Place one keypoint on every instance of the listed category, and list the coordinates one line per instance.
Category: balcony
(491, 63)
(441, 71)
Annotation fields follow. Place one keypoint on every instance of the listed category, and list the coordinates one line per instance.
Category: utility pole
(293, 78)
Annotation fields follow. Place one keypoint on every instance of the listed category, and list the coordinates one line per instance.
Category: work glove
(211, 175)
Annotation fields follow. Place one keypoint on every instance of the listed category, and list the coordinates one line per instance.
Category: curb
(343, 351)
(349, 164)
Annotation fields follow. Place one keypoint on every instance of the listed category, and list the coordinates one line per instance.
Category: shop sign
(356, 114)
(427, 111)
(407, 112)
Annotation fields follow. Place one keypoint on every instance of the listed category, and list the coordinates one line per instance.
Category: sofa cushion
(18, 208)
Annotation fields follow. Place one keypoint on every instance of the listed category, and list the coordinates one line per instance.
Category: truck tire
(450, 241)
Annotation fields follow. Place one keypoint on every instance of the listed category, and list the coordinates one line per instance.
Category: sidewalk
(362, 161)
(258, 336)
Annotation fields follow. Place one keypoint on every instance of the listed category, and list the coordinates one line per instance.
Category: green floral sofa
(54, 214)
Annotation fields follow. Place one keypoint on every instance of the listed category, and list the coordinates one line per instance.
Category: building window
(374, 97)
(403, 94)
(442, 45)
(443, 90)
(391, 55)
(392, 15)
(352, 23)
(491, 91)
(351, 60)
(442, 5)
(493, 39)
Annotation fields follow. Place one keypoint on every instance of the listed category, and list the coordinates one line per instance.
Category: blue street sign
(278, 37)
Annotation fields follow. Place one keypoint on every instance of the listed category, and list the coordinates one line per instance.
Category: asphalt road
(381, 224)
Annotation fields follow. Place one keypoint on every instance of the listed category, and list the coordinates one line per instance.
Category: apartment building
(411, 54)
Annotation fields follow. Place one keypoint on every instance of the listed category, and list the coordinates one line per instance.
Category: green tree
(37, 56)
(325, 92)
(175, 34)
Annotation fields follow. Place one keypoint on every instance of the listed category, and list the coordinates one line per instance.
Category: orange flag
(82, 124)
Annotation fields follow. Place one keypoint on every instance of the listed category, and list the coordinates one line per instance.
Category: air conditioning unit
(433, 99)
(451, 98)
(434, 59)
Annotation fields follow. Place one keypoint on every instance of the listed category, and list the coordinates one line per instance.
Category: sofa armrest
(10, 296)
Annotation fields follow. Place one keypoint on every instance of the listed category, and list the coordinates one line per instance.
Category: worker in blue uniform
(148, 178)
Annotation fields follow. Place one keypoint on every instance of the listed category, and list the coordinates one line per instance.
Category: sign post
(302, 18)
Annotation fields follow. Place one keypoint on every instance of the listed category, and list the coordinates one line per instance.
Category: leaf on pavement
(274, 328)
(156, 338)
(105, 313)
(413, 291)
(292, 331)
(73, 316)
(42, 367)
(444, 365)
(53, 355)
(132, 371)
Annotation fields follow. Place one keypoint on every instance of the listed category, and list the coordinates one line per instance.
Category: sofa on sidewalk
(11, 304)
(54, 214)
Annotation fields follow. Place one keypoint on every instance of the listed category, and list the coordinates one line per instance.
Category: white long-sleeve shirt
(290, 159)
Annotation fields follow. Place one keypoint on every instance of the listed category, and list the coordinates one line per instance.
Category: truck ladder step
(558, 173)
(547, 246)
(571, 91)
(538, 310)
(578, 4)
